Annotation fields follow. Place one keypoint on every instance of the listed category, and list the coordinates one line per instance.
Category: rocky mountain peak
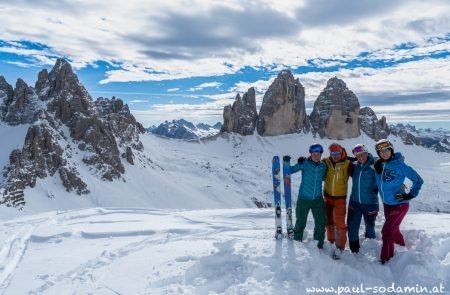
(20, 84)
(369, 123)
(283, 107)
(20, 105)
(335, 82)
(242, 115)
(69, 123)
(285, 75)
(6, 96)
(335, 112)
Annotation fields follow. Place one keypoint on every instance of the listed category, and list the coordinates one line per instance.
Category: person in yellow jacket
(335, 195)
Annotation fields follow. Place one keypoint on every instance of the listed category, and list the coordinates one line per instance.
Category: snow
(182, 221)
(222, 251)
(12, 137)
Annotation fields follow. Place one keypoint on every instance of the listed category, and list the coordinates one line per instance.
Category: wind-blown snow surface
(183, 246)
(229, 251)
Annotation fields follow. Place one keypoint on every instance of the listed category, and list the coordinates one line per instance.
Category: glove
(404, 197)
(287, 158)
(301, 160)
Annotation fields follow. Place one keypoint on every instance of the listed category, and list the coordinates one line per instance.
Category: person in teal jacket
(391, 172)
(310, 193)
(363, 199)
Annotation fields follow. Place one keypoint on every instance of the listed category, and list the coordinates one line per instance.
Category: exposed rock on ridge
(336, 110)
(242, 115)
(369, 123)
(283, 107)
(64, 121)
(19, 105)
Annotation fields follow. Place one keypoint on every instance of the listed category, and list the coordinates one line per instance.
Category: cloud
(21, 64)
(134, 101)
(211, 38)
(218, 30)
(205, 85)
(342, 12)
(388, 52)
(391, 92)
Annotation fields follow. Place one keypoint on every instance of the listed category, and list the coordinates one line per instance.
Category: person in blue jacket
(363, 198)
(310, 196)
(391, 172)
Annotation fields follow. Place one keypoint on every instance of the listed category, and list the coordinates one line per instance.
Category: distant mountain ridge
(183, 129)
(435, 139)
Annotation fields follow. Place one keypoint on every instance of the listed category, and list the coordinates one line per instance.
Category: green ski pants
(317, 208)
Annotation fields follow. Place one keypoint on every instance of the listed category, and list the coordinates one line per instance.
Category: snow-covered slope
(228, 171)
(232, 251)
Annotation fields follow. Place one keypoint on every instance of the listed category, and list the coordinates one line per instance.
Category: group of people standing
(384, 175)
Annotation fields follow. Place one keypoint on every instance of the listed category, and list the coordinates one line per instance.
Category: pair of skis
(276, 173)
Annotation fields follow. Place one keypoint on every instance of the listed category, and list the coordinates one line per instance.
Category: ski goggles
(335, 153)
(383, 146)
(316, 148)
(359, 149)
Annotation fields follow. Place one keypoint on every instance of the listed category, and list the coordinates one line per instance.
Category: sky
(188, 59)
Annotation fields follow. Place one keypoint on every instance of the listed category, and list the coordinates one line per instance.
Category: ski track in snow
(11, 253)
(227, 251)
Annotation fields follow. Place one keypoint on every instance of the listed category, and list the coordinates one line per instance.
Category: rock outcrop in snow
(242, 115)
(369, 123)
(283, 107)
(336, 110)
(65, 121)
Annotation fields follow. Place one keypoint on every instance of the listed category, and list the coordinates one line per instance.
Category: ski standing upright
(288, 198)
(276, 176)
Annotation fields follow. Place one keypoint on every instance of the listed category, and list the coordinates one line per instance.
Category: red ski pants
(391, 234)
(336, 228)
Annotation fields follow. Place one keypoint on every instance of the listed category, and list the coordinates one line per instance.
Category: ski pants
(390, 233)
(318, 211)
(356, 211)
(336, 227)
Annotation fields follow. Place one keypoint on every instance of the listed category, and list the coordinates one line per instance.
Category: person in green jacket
(310, 193)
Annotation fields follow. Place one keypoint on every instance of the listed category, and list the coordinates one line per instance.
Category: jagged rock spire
(242, 115)
(60, 103)
(283, 107)
(369, 123)
(336, 110)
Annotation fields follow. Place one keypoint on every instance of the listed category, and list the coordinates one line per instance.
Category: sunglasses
(383, 149)
(335, 153)
(382, 145)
